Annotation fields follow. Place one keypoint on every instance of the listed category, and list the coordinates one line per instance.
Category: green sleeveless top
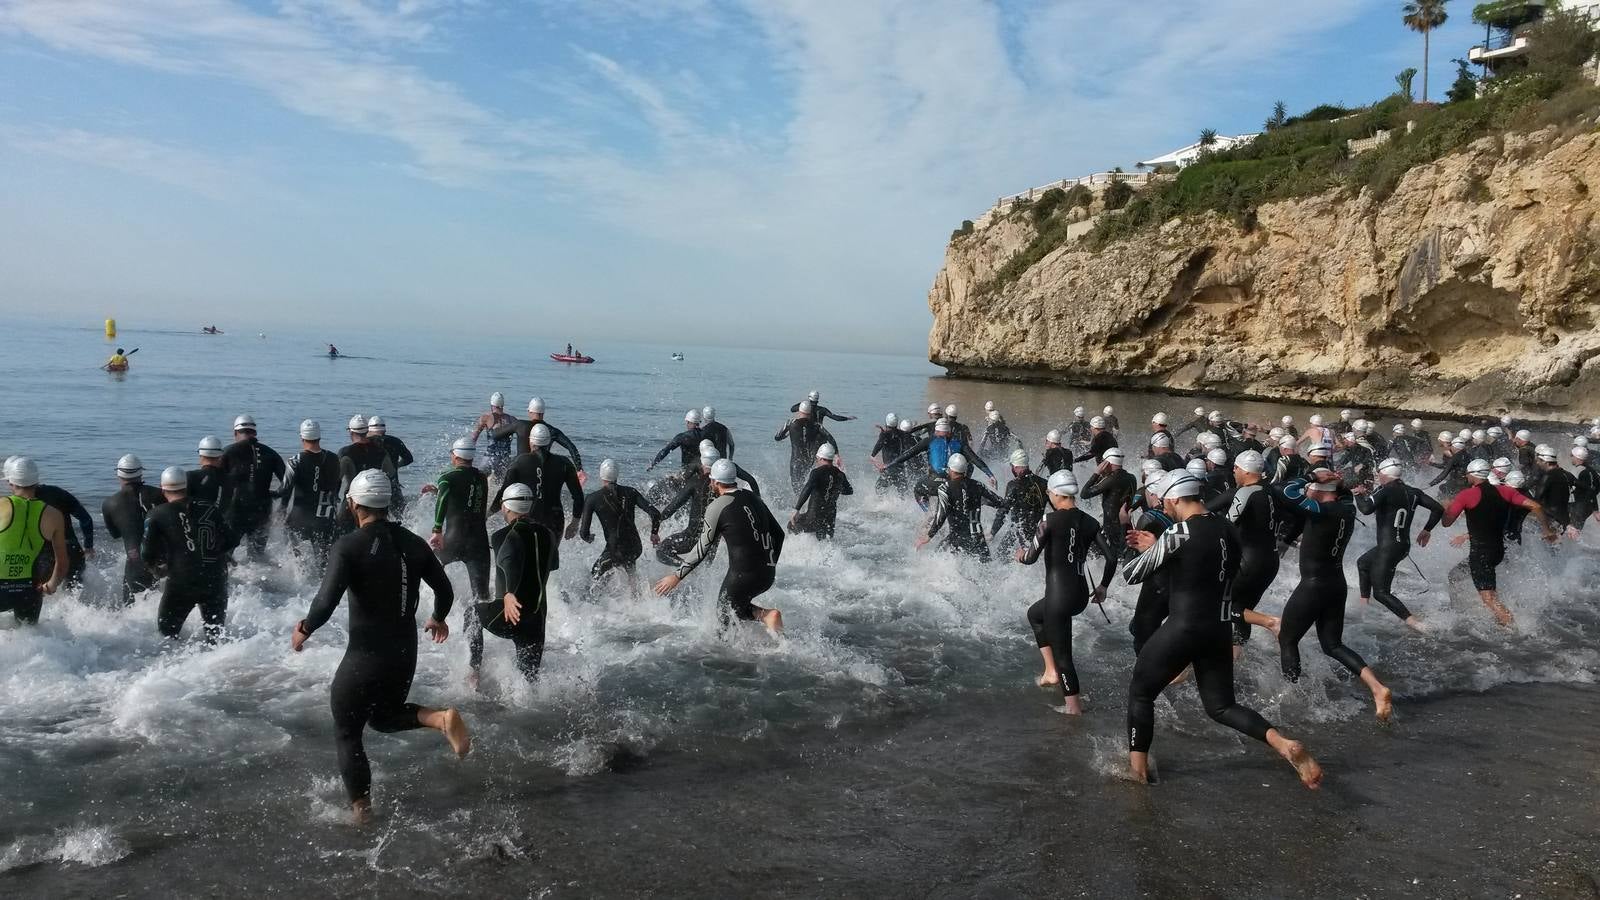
(21, 541)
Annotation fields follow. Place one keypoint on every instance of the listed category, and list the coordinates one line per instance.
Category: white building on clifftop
(1185, 156)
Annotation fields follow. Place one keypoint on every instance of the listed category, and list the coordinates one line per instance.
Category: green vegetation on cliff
(1308, 154)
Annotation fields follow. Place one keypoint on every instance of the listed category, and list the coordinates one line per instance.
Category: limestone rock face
(1473, 288)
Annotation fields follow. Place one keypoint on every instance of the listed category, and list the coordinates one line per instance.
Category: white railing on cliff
(1095, 183)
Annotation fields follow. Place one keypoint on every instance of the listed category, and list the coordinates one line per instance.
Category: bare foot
(455, 731)
(1310, 773)
(1502, 617)
(1365, 601)
(1383, 701)
(1074, 706)
(1238, 652)
(773, 620)
(1416, 625)
(472, 679)
(361, 812)
(1139, 768)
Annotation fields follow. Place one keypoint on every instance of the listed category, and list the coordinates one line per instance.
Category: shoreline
(1309, 396)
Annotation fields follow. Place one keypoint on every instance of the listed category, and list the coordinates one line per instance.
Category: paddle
(124, 356)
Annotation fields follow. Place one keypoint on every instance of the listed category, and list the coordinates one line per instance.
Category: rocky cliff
(1472, 288)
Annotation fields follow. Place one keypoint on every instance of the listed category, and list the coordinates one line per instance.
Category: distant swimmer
(523, 551)
(754, 540)
(124, 514)
(1395, 503)
(818, 411)
(958, 502)
(188, 543)
(461, 535)
(1198, 556)
(251, 467)
(1487, 507)
(816, 507)
(617, 507)
(382, 566)
(310, 494)
(333, 352)
(33, 540)
(1063, 538)
(499, 444)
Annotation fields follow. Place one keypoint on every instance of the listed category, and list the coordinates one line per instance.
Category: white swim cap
(905, 425)
(464, 448)
(1545, 453)
(1416, 424)
(988, 405)
(1199, 410)
(933, 410)
(1580, 441)
(1398, 428)
(1063, 484)
(1446, 437)
(1077, 413)
(210, 447)
(1214, 417)
(1458, 443)
(1287, 421)
(1152, 467)
(541, 435)
(1217, 456)
(1052, 437)
(1479, 435)
(1276, 434)
(693, 416)
(609, 470)
(1581, 454)
(376, 424)
(1161, 439)
(1113, 456)
(129, 467)
(1250, 461)
(941, 427)
(497, 400)
(1516, 479)
(1321, 450)
(994, 415)
(1496, 431)
(22, 471)
(371, 489)
(708, 414)
(826, 452)
(358, 424)
(804, 409)
(1390, 467)
(723, 471)
(1524, 435)
(1506, 420)
(708, 458)
(1097, 422)
(1325, 486)
(814, 396)
(1159, 418)
(1107, 411)
(1196, 467)
(1019, 457)
(244, 423)
(950, 411)
(518, 498)
(1316, 419)
(1209, 440)
(708, 446)
(1345, 414)
(1502, 465)
(174, 478)
(310, 430)
(891, 421)
(1179, 484)
(536, 405)
(1286, 443)
(957, 464)
(1478, 468)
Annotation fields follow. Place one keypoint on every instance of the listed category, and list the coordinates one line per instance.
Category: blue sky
(765, 172)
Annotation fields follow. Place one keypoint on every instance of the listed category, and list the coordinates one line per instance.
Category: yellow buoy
(111, 328)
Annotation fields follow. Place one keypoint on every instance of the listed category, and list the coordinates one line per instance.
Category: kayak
(121, 368)
(564, 358)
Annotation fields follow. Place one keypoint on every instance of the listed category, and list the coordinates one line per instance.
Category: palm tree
(1424, 16)
(1208, 136)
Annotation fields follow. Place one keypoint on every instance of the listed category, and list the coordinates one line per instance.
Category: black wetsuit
(1256, 517)
(1054, 460)
(1282, 468)
(823, 487)
(522, 429)
(251, 467)
(1025, 502)
(805, 436)
(1396, 505)
(1553, 491)
(522, 556)
(125, 513)
(694, 496)
(353, 460)
(311, 494)
(937, 451)
(190, 541)
(61, 500)
(996, 438)
(960, 503)
(383, 567)
(1585, 495)
(460, 516)
(545, 474)
(754, 539)
(400, 455)
(1115, 489)
(1487, 511)
(719, 435)
(820, 412)
(687, 443)
(1169, 460)
(1063, 538)
(1453, 473)
(1199, 558)
(1098, 445)
(615, 505)
(1150, 609)
(1318, 600)
(890, 444)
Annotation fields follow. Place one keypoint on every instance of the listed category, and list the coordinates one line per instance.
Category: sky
(769, 173)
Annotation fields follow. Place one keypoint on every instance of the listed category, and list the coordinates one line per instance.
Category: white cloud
(166, 163)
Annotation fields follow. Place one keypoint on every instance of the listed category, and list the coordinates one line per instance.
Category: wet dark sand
(1471, 795)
